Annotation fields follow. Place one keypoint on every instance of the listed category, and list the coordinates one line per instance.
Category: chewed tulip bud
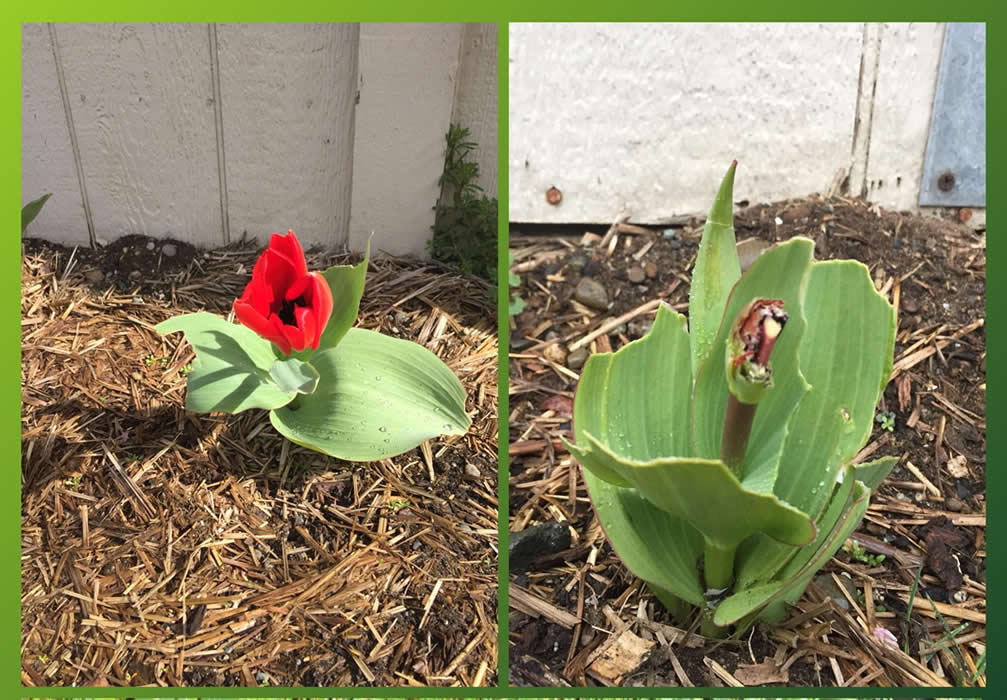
(749, 346)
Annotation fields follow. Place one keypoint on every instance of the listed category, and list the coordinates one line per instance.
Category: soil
(170, 548)
(934, 270)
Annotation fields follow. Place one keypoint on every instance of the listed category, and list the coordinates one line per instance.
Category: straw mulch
(579, 617)
(167, 548)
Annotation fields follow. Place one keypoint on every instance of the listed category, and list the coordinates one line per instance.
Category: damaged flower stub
(749, 346)
(730, 442)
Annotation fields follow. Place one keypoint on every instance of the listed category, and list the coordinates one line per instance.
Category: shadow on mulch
(578, 617)
(170, 548)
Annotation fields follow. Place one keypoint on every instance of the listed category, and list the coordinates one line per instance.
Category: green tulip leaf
(846, 356)
(633, 400)
(871, 474)
(768, 601)
(231, 369)
(346, 282)
(377, 397)
(716, 270)
(779, 273)
(32, 209)
(293, 375)
(702, 492)
(633, 525)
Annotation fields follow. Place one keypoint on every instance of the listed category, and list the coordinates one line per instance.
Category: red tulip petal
(294, 337)
(307, 322)
(321, 302)
(289, 247)
(249, 317)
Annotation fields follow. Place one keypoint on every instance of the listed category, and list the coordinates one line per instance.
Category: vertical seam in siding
(218, 116)
(870, 60)
(343, 241)
(68, 114)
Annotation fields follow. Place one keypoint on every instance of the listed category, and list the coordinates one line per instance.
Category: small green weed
(886, 419)
(858, 553)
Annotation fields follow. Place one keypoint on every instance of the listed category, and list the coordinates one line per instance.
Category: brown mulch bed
(578, 617)
(170, 548)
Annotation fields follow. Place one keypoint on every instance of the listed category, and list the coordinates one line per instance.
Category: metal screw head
(946, 181)
(553, 196)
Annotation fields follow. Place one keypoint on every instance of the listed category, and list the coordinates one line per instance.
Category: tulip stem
(737, 427)
(718, 565)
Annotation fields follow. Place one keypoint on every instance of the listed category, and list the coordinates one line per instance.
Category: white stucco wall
(203, 132)
(644, 119)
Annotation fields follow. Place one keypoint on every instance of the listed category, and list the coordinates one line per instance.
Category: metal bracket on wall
(954, 171)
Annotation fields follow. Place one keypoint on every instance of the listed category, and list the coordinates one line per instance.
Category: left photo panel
(259, 355)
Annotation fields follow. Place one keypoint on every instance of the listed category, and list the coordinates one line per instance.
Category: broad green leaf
(846, 508)
(779, 273)
(347, 285)
(760, 558)
(636, 400)
(294, 375)
(634, 526)
(231, 369)
(377, 397)
(716, 270)
(32, 209)
(846, 357)
(704, 493)
(871, 474)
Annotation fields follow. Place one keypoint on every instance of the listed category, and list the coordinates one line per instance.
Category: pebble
(94, 275)
(169, 250)
(651, 270)
(472, 470)
(638, 329)
(150, 245)
(400, 318)
(636, 275)
(670, 233)
(537, 541)
(555, 352)
(909, 305)
(577, 261)
(676, 244)
(591, 293)
(577, 358)
(955, 505)
(618, 330)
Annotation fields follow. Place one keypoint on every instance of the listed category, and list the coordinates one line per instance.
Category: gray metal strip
(954, 171)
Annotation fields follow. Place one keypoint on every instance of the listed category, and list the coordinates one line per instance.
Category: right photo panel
(747, 355)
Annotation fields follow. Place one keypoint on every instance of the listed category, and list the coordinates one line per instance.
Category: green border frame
(501, 13)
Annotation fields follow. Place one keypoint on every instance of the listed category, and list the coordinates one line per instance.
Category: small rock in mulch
(537, 541)
(636, 275)
(591, 293)
(555, 352)
(640, 327)
(650, 269)
(577, 358)
(577, 261)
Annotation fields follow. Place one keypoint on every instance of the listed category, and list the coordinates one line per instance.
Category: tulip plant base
(253, 561)
(939, 268)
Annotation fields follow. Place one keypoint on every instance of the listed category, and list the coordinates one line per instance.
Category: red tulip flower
(284, 303)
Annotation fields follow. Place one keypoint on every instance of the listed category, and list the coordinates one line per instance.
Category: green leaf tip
(722, 211)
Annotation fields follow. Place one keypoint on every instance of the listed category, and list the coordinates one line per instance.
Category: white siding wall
(203, 132)
(644, 119)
